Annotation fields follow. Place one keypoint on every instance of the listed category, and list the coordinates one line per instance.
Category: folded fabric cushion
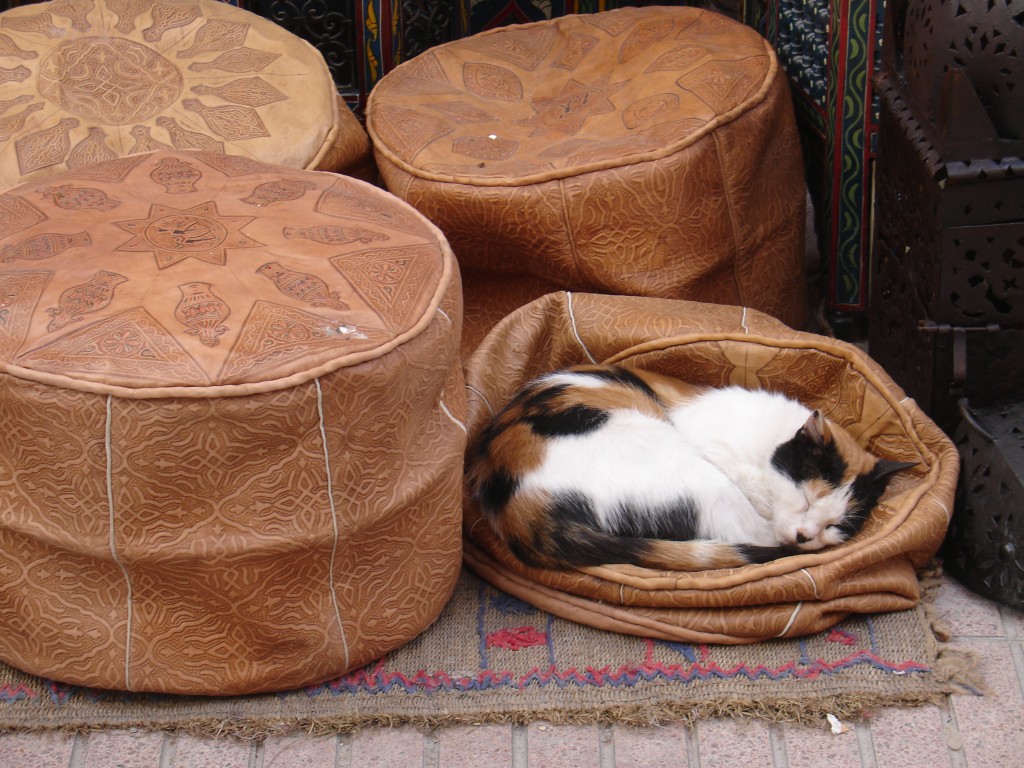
(230, 424)
(91, 81)
(641, 151)
(717, 346)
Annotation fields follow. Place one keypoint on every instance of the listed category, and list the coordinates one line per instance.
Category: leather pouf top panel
(639, 152)
(231, 425)
(89, 80)
(188, 273)
(714, 345)
(540, 101)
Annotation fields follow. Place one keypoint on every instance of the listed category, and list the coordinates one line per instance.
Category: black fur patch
(865, 492)
(539, 396)
(575, 539)
(624, 376)
(677, 522)
(756, 553)
(574, 420)
(800, 459)
(496, 491)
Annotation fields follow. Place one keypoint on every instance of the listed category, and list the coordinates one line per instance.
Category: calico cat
(603, 464)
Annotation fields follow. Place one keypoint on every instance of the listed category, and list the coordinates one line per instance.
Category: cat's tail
(572, 544)
(701, 555)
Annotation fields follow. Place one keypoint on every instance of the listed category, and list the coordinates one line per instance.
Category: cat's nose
(801, 539)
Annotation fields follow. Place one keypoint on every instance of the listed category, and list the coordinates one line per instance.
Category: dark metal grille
(327, 24)
(984, 548)
(945, 276)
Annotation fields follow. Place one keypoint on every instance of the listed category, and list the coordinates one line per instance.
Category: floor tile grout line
(692, 736)
(777, 740)
(432, 749)
(257, 754)
(951, 734)
(520, 746)
(168, 750)
(343, 751)
(865, 744)
(79, 751)
(978, 639)
(1016, 647)
(606, 745)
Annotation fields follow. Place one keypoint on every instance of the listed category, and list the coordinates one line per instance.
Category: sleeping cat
(603, 464)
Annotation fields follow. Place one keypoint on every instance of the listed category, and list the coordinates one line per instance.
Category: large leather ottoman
(716, 346)
(83, 82)
(231, 425)
(641, 151)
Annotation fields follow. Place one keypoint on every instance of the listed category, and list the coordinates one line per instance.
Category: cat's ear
(815, 429)
(884, 467)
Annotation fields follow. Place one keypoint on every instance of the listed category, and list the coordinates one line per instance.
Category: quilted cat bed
(720, 345)
(230, 425)
(89, 81)
(641, 151)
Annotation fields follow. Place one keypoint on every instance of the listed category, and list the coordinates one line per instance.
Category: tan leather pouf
(231, 425)
(718, 346)
(641, 151)
(83, 81)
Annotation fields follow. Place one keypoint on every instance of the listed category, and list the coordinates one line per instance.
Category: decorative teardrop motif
(182, 138)
(44, 246)
(13, 123)
(10, 48)
(126, 12)
(216, 35)
(233, 123)
(271, 192)
(72, 198)
(239, 60)
(76, 10)
(144, 142)
(176, 176)
(92, 149)
(202, 312)
(333, 234)
(302, 286)
(17, 101)
(45, 148)
(36, 24)
(83, 299)
(167, 17)
(249, 91)
(18, 74)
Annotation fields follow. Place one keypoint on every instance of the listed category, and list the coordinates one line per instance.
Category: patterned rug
(493, 658)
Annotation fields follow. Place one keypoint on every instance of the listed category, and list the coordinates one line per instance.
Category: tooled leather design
(565, 78)
(192, 285)
(718, 346)
(112, 77)
(269, 522)
(642, 151)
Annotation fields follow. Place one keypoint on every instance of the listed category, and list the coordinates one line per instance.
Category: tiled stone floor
(963, 732)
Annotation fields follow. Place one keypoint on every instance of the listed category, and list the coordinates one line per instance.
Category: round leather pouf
(641, 151)
(716, 346)
(84, 82)
(231, 425)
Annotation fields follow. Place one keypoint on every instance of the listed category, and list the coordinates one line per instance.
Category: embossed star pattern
(200, 232)
(566, 112)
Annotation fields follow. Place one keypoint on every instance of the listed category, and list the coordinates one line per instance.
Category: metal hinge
(959, 342)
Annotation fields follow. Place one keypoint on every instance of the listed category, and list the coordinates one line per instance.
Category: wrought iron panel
(329, 25)
(984, 548)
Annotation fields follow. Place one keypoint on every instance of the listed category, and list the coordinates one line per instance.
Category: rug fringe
(954, 666)
(643, 715)
(953, 670)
